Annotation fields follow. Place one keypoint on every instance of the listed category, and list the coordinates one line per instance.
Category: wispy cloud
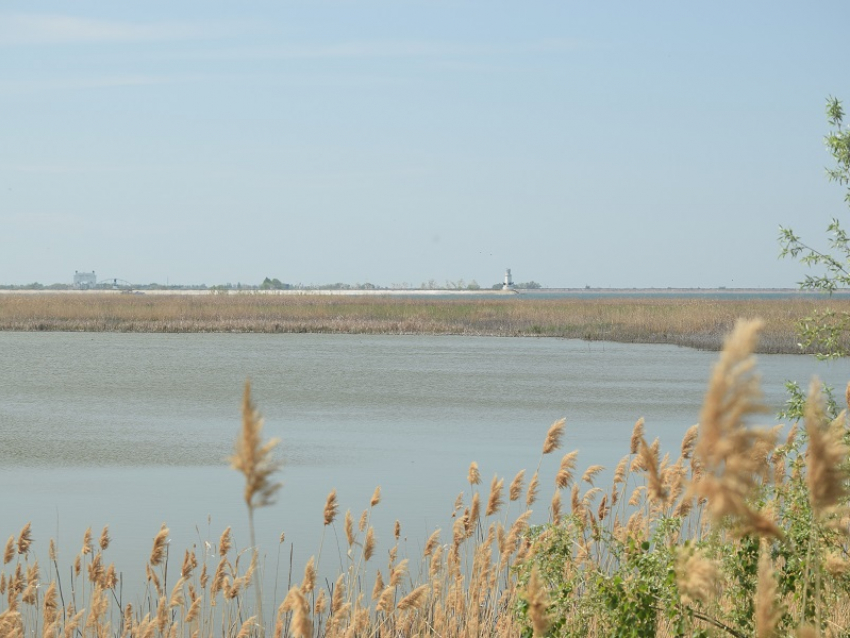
(59, 169)
(385, 49)
(22, 87)
(49, 223)
(34, 29)
(89, 168)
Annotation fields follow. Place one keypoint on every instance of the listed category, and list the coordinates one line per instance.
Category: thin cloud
(46, 222)
(59, 169)
(35, 29)
(21, 87)
(386, 49)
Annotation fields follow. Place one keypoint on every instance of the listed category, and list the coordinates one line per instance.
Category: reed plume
(590, 473)
(553, 436)
(555, 506)
(495, 500)
(87, 542)
(349, 528)
(473, 476)
(397, 572)
(689, 441)
(194, 611)
(321, 604)
(531, 493)
(189, 563)
(25, 539)
(50, 608)
(696, 575)
(104, 538)
(309, 582)
(369, 546)
(637, 433)
(474, 511)
(379, 586)
(620, 472)
(177, 598)
(225, 541)
(331, 507)
(565, 471)
(538, 603)
(385, 600)
(826, 476)
(515, 489)
(415, 599)
(723, 449)
(159, 545)
(302, 624)
(649, 461)
(338, 597)
(431, 543)
(245, 630)
(767, 610)
(253, 458)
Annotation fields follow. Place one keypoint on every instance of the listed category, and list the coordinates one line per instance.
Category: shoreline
(694, 322)
(447, 292)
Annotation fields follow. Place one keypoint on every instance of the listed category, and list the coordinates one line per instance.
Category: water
(132, 430)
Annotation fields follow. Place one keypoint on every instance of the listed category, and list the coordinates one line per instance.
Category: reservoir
(133, 430)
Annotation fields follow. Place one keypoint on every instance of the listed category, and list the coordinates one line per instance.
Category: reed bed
(746, 533)
(696, 323)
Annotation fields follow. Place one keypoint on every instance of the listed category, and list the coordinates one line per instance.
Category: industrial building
(84, 280)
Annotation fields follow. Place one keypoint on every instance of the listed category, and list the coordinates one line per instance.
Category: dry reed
(691, 322)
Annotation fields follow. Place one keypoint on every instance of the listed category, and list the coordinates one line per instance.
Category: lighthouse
(509, 282)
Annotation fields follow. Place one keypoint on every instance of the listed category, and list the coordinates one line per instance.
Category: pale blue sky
(622, 144)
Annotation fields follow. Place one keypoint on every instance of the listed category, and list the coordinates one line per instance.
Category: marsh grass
(744, 534)
(697, 323)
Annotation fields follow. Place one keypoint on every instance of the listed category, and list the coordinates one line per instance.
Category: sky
(608, 144)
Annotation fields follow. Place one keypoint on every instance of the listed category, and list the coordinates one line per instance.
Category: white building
(509, 282)
(84, 280)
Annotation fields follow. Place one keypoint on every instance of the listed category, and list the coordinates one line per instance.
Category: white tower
(509, 283)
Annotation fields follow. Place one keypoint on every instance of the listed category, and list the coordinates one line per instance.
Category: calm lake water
(132, 430)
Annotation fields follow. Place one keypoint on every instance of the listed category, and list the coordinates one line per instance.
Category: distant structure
(84, 280)
(509, 282)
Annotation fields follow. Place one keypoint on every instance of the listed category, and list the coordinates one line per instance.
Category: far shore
(434, 292)
(692, 320)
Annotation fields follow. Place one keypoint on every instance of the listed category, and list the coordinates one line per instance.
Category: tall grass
(698, 323)
(744, 534)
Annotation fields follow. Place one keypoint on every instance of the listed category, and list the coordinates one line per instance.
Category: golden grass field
(698, 323)
(745, 533)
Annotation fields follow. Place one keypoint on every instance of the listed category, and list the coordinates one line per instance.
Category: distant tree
(273, 284)
(473, 285)
(528, 285)
(828, 332)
